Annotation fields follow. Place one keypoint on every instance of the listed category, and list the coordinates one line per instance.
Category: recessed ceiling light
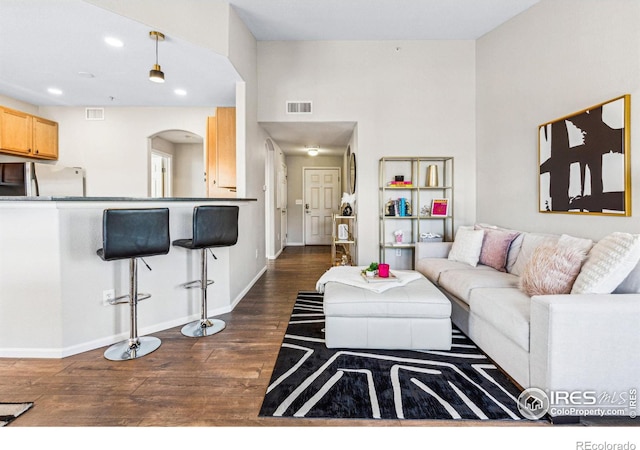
(54, 91)
(180, 92)
(113, 42)
(86, 75)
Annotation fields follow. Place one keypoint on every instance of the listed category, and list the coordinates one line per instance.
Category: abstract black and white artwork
(584, 161)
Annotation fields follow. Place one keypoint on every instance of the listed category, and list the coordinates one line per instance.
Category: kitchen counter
(52, 282)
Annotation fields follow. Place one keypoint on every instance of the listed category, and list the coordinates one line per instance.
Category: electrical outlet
(256, 253)
(107, 296)
(398, 252)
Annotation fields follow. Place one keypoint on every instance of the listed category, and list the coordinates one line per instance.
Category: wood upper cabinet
(45, 138)
(23, 134)
(221, 153)
(16, 135)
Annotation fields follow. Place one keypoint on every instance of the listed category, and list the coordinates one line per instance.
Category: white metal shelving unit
(419, 196)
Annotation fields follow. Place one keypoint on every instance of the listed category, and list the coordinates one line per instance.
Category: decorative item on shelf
(440, 207)
(398, 178)
(432, 175)
(425, 211)
(345, 260)
(347, 202)
(399, 234)
(343, 231)
(390, 208)
(430, 237)
(402, 207)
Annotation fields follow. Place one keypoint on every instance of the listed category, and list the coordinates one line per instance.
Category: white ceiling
(56, 43)
(304, 20)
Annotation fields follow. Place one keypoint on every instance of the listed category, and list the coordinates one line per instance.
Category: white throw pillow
(467, 246)
(609, 262)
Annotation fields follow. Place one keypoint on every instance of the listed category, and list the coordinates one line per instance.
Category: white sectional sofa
(557, 313)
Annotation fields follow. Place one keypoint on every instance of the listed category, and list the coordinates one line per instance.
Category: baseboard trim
(59, 353)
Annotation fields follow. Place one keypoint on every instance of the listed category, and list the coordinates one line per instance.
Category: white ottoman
(416, 316)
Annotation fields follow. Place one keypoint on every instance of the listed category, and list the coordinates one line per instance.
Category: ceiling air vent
(94, 113)
(298, 107)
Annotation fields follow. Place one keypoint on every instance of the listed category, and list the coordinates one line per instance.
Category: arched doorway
(176, 164)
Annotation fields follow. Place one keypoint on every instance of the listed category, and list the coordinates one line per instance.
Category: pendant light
(156, 75)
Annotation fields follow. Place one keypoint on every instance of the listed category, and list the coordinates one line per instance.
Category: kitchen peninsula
(52, 283)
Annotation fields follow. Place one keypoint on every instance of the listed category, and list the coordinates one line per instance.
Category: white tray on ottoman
(412, 316)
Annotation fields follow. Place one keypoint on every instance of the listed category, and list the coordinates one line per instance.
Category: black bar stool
(131, 234)
(213, 226)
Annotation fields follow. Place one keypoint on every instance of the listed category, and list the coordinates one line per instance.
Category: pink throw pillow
(552, 269)
(495, 247)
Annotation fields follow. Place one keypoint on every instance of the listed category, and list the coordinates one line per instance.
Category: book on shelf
(399, 207)
(400, 184)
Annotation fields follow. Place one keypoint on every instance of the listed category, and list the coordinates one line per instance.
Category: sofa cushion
(432, 268)
(467, 245)
(609, 262)
(495, 247)
(462, 282)
(507, 309)
(552, 269)
(530, 242)
(580, 243)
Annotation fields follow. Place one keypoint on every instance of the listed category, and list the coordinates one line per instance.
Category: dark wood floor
(215, 381)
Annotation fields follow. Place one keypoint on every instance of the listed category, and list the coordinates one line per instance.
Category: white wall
(555, 59)
(251, 157)
(114, 151)
(188, 171)
(408, 98)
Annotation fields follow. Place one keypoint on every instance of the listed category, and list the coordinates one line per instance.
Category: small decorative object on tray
(375, 273)
(371, 271)
(378, 279)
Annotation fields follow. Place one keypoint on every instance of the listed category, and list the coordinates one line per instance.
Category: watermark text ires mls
(534, 403)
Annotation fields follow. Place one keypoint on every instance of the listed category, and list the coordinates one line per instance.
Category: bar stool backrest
(133, 233)
(215, 226)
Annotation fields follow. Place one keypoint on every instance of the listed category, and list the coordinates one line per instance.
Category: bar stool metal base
(132, 349)
(201, 328)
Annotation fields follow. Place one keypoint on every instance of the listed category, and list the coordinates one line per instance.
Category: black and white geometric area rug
(312, 381)
(10, 411)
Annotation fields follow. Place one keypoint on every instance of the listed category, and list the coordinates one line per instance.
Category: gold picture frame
(584, 161)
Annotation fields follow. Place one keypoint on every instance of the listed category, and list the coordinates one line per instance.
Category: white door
(161, 174)
(321, 199)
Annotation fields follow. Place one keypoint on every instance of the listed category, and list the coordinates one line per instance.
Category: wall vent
(299, 107)
(94, 113)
